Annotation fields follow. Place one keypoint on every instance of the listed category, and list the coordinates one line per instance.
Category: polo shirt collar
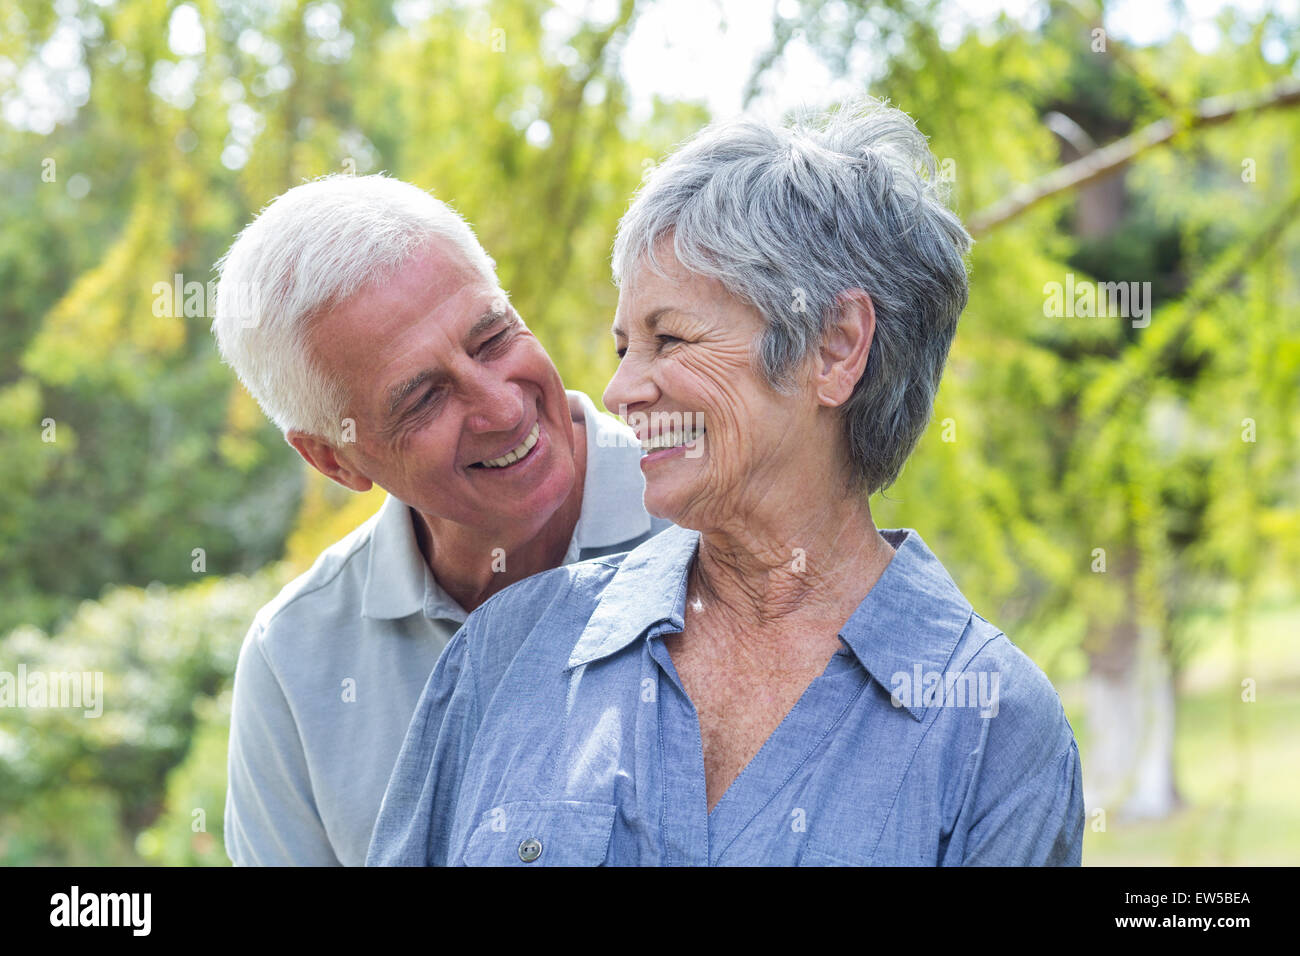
(399, 581)
(914, 615)
(613, 505)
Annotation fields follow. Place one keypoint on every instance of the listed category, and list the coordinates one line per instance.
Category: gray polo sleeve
(271, 817)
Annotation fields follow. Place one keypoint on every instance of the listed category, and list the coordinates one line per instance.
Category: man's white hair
(309, 251)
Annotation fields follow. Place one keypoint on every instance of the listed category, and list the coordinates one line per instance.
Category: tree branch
(1109, 159)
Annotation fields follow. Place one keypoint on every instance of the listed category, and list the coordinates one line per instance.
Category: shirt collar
(649, 587)
(914, 615)
(613, 494)
(399, 581)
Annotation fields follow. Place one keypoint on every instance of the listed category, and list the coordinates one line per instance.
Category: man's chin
(534, 504)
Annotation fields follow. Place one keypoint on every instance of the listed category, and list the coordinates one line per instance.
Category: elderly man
(367, 321)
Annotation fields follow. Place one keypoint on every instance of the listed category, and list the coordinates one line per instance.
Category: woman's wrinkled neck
(789, 563)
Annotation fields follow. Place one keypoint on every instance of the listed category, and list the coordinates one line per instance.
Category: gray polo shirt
(331, 670)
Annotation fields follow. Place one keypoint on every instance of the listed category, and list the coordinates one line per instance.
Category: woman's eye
(662, 340)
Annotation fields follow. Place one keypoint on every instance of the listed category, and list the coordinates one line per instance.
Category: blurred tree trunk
(1130, 709)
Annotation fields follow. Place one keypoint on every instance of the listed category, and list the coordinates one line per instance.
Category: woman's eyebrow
(651, 321)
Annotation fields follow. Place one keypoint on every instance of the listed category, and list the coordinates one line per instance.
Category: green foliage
(189, 831)
(160, 654)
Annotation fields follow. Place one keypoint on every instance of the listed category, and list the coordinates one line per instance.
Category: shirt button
(530, 849)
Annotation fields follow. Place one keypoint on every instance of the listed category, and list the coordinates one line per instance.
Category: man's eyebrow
(651, 320)
(398, 394)
(495, 313)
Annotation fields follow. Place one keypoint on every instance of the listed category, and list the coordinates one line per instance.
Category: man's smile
(518, 453)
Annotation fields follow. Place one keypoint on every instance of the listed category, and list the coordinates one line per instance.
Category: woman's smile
(684, 445)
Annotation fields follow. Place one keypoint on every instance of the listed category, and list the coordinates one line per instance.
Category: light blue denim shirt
(555, 731)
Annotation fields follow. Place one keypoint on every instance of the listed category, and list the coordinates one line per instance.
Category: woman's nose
(630, 387)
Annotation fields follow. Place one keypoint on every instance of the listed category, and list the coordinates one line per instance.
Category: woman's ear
(844, 349)
(322, 456)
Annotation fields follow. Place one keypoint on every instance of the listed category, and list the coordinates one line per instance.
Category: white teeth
(678, 436)
(512, 456)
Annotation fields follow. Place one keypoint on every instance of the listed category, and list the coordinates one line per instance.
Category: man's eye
(667, 339)
(495, 342)
(426, 402)
(620, 352)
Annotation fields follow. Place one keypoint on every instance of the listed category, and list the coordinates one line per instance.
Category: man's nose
(630, 387)
(497, 405)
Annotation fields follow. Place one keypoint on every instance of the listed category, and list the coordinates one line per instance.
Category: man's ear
(842, 358)
(321, 455)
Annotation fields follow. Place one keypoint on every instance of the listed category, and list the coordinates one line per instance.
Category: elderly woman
(774, 681)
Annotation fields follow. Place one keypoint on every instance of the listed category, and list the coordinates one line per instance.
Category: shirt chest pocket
(542, 833)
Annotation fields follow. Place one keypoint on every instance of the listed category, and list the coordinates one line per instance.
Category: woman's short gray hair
(787, 218)
(310, 250)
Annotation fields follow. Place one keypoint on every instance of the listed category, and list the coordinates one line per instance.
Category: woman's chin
(664, 503)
